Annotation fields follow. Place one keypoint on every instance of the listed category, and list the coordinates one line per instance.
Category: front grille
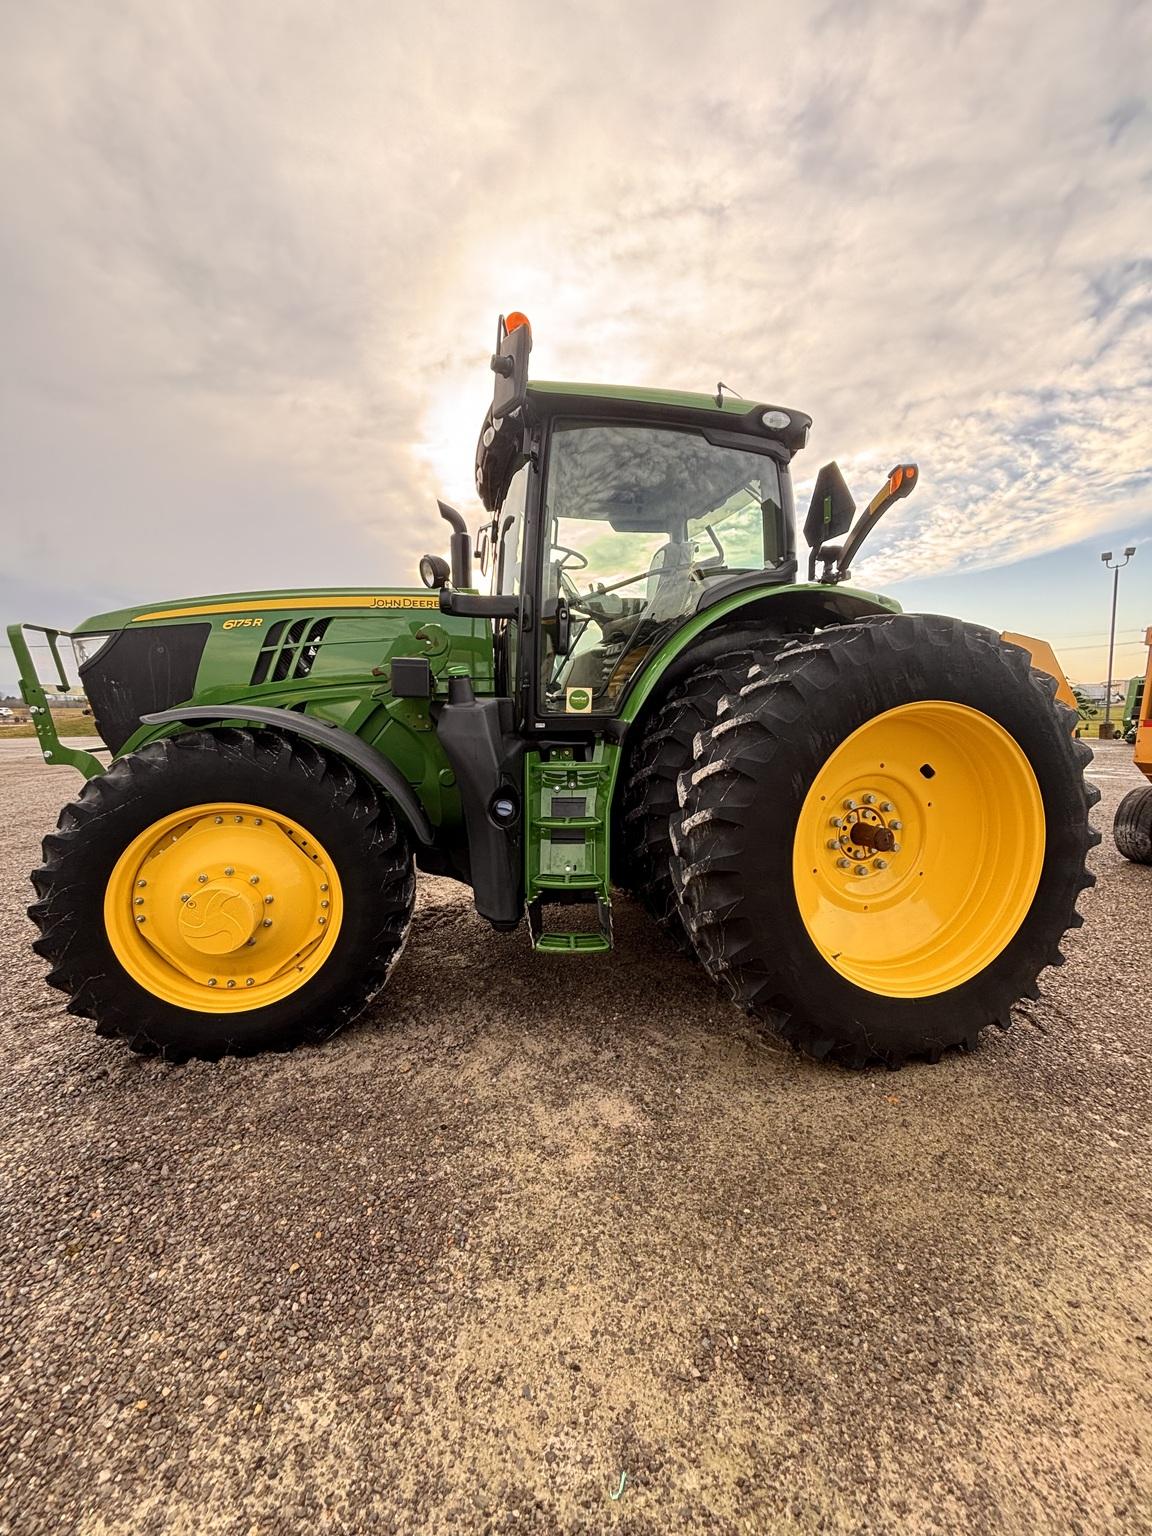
(140, 671)
(289, 650)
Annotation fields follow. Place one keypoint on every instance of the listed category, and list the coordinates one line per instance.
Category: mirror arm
(901, 482)
(473, 605)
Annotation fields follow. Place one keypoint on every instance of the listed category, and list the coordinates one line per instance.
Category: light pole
(1115, 569)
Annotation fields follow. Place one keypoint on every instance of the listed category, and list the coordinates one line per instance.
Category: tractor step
(584, 941)
(566, 851)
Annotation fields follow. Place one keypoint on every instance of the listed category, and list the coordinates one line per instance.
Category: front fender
(331, 737)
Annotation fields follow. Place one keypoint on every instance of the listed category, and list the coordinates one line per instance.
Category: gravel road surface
(536, 1228)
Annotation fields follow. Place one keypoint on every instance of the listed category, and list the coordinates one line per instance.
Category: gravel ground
(534, 1224)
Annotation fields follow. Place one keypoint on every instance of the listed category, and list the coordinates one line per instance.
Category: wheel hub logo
(217, 921)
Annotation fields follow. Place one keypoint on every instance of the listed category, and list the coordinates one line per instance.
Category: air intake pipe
(459, 547)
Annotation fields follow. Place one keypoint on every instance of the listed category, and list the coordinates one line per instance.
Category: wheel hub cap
(223, 907)
(221, 919)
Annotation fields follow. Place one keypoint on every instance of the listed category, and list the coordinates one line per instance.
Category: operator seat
(668, 593)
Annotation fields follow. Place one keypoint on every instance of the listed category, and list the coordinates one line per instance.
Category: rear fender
(772, 611)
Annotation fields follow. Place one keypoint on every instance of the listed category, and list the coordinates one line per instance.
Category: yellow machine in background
(1044, 659)
(1132, 828)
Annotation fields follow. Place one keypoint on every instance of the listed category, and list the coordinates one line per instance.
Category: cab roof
(730, 405)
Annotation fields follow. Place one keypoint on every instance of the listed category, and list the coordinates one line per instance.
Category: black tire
(743, 796)
(1132, 828)
(291, 777)
(655, 763)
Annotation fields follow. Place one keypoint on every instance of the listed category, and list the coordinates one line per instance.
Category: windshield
(637, 522)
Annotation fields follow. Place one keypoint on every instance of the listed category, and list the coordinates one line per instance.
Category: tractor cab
(617, 516)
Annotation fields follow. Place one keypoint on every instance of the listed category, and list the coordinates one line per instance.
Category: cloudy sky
(254, 251)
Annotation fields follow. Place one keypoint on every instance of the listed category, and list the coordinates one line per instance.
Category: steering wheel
(567, 585)
(580, 558)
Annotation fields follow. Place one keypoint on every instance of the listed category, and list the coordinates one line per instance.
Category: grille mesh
(290, 648)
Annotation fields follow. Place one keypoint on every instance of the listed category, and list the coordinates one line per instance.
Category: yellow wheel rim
(223, 908)
(918, 849)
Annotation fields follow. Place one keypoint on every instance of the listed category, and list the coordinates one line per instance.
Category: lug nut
(139, 901)
(886, 806)
(323, 887)
(833, 821)
(141, 883)
(229, 870)
(257, 821)
(849, 805)
(141, 919)
(250, 982)
(895, 826)
(249, 942)
(895, 847)
(253, 879)
(860, 870)
(267, 922)
(211, 981)
(324, 903)
(321, 921)
(239, 821)
(231, 983)
(833, 842)
(219, 821)
(203, 879)
(843, 864)
(183, 896)
(869, 799)
(268, 900)
(881, 863)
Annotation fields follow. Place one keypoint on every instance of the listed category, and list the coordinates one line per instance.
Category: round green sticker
(579, 700)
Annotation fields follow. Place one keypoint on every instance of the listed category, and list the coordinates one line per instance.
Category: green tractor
(870, 827)
(1133, 702)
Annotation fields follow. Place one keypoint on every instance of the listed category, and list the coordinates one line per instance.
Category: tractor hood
(311, 649)
(224, 605)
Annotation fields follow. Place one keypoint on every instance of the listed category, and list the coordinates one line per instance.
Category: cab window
(637, 522)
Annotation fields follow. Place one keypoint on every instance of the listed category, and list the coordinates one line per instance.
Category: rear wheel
(1132, 829)
(223, 892)
(663, 752)
(882, 839)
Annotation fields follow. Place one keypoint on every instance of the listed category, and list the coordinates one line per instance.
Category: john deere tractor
(870, 827)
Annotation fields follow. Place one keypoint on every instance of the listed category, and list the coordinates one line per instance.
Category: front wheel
(223, 892)
(881, 842)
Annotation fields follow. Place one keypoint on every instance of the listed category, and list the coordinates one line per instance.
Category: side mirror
(434, 571)
(510, 364)
(831, 510)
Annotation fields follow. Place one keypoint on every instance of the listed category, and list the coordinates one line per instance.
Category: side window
(507, 573)
(510, 536)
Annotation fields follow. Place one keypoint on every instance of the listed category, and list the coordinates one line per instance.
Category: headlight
(85, 647)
